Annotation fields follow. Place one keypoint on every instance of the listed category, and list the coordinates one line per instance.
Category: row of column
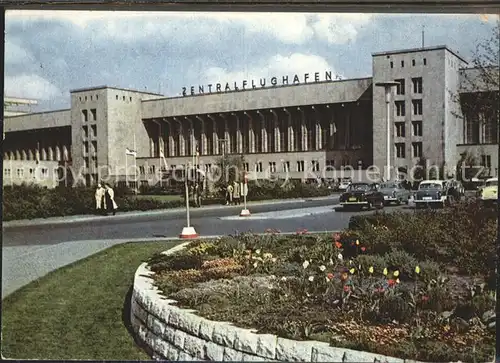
(307, 128)
(56, 153)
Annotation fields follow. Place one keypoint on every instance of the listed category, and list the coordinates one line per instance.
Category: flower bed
(338, 289)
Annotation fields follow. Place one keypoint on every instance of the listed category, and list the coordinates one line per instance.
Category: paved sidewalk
(125, 215)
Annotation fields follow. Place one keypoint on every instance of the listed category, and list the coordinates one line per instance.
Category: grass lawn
(80, 311)
(160, 198)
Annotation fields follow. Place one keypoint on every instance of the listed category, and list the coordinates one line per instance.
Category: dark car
(360, 195)
(432, 193)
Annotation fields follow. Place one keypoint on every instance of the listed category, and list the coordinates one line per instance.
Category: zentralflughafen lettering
(252, 84)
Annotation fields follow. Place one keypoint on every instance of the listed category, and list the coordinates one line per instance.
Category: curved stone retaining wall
(172, 333)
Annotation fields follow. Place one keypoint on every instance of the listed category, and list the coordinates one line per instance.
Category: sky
(49, 53)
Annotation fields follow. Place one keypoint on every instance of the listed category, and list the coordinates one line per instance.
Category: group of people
(105, 199)
(234, 192)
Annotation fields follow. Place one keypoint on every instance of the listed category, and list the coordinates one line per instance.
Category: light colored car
(431, 193)
(489, 192)
(394, 192)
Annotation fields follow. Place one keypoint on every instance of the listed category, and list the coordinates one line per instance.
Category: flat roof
(421, 49)
(39, 113)
(259, 89)
(116, 88)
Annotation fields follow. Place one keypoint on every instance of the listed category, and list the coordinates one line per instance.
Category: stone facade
(295, 131)
(423, 114)
(168, 332)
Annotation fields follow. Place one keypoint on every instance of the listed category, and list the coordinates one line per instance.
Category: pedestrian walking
(99, 199)
(229, 194)
(236, 193)
(111, 205)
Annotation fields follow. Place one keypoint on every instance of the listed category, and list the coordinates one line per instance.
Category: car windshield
(359, 187)
(430, 186)
(492, 183)
(388, 186)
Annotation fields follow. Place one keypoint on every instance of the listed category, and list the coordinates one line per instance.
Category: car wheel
(398, 202)
(380, 205)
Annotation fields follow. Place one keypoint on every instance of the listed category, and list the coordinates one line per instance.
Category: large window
(417, 128)
(400, 108)
(400, 129)
(400, 89)
(417, 149)
(417, 107)
(417, 85)
(400, 150)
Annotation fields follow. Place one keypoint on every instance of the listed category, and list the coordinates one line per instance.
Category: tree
(479, 96)
(231, 168)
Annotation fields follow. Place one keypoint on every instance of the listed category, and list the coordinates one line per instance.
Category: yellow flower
(357, 242)
(417, 269)
(385, 272)
(396, 273)
(352, 270)
(370, 270)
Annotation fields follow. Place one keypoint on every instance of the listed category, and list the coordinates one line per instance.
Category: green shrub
(462, 235)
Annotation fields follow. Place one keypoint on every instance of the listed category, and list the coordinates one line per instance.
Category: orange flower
(338, 244)
(391, 282)
(330, 276)
(344, 276)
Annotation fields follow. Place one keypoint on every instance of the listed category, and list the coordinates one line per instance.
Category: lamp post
(388, 90)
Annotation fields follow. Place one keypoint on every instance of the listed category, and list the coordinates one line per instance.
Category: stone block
(183, 356)
(213, 352)
(172, 353)
(246, 341)
(141, 334)
(155, 325)
(293, 351)
(253, 358)
(169, 334)
(162, 347)
(266, 345)
(224, 334)
(326, 353)
(190, 323)
(139, 312)
(194, 346)
(232, 355)
(175, 316)
(161, 309)
(206, 330)
(179, 338)
(359, 356)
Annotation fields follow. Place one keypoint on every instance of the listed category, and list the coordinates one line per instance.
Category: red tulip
(338, 244)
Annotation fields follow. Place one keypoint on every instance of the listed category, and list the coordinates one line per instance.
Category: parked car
(488, 193)
(359, 195)
(431, 193)
(394, 192)
(344, 184)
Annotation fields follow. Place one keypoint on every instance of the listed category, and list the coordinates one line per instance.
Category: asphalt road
(206, 222)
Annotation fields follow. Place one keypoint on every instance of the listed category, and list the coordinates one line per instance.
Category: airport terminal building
(294, 126)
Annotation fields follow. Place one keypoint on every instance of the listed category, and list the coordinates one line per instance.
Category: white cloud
(339, 28)
(276, 66)
(289, 28)
(31, 86)
(15, 54)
